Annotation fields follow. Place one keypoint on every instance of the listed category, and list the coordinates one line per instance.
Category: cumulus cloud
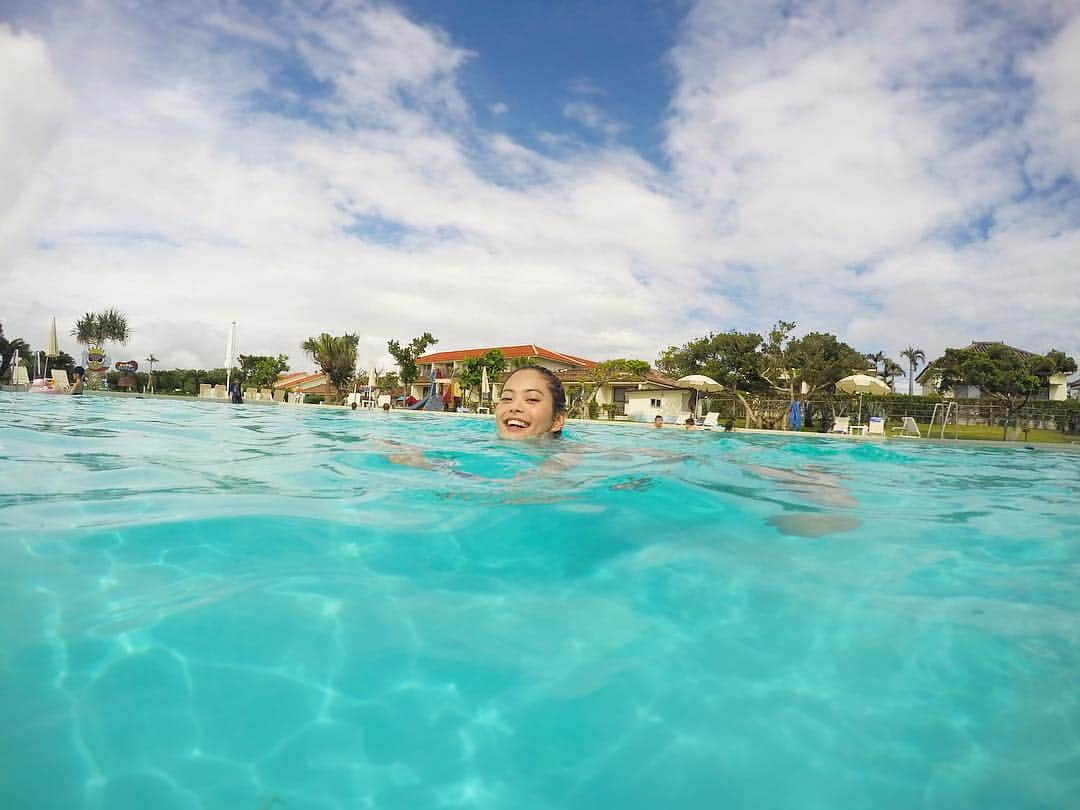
(869, 169)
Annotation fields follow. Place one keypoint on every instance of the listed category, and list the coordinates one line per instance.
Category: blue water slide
(428, 402)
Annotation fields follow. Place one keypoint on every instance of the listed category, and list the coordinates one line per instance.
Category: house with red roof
(445, 364)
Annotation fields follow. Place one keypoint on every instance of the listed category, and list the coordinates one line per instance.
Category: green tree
(96, 328)
(732, 358)
(406, 356)
(813, 362)
(471, 371)
(261, 371)
(1001, 373)
(335, 357)
(914, 357)
(11, 351)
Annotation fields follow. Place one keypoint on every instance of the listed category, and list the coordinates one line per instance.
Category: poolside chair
(875, 426)
(680, 420)
(204, 390)
(711, 420)
(251, 393)
(384, 399)
(60, 379)
(841, 424)
(263, 395)
(279, 395)
(908, 428)
(20, 376)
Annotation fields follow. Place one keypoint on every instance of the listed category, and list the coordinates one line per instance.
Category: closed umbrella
(372, 379)
(230, 355)
(862, 384)
(699, 382)
(483, 384)
(52, 346)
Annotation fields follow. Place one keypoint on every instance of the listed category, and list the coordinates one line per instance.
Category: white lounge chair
(711, 420)
(875, 426)
(680, 420)
(841, 424)
(19, 376)
(204, 390)
(908, 428)
(384, 399)
(251, 393)
(60, 379)
(279, 395)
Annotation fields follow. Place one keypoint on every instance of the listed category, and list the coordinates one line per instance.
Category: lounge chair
(279, 395)
(680, 420)
(908, 428)
(264, 395)
(251, 393)
(384, 399)
(875, 426)
(841, 424)
(204, 390)
(711, 420)
(60, 379)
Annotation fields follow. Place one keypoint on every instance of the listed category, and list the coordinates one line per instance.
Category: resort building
(306, 381)
(629, 395)
(446, 364)
(1055, 389)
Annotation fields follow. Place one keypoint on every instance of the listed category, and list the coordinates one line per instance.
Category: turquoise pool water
(207, 606)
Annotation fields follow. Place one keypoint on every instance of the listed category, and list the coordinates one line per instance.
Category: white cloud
(821, 174)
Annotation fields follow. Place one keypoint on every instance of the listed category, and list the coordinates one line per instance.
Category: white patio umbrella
(699, 382)
(52, 345)
(483, 384)
(862, 384)
(230, 355)
(372, 378)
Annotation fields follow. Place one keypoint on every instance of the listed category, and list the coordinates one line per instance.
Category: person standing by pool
(77, 384)
(532, 405)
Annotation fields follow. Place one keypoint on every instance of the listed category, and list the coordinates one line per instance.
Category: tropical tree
(335, 357)
(11, 351)
(95, 328)
(406, 356)
(262, 371)
(914, 357)
(890, 370)
(1002, 373)
(471, 371)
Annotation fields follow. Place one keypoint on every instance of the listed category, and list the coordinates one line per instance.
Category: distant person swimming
(77, 384)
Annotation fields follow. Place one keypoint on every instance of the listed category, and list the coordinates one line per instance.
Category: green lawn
(991, 433)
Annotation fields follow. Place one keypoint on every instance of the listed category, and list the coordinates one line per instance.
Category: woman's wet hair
(554, 386)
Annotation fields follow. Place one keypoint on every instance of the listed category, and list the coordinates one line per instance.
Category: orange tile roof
(510, 353)
(298, 378)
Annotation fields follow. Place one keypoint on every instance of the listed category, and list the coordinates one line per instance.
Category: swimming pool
(210, 606)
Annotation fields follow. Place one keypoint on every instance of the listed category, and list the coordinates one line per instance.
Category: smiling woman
(532, 405)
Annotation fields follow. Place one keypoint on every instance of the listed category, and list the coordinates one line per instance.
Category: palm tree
(335, 357)
(95, 328)
(914, 357)
(150, 373)
(10, 352)
(890, 370)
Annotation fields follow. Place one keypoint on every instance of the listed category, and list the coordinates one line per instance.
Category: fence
(1041, 415)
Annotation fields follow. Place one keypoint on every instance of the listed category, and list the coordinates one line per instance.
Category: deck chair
(909, 428)
(264, 395)
(711, 420)
(251, 393)
(841, 424)
(20, 376)
(60, 379)
(204, 390)
(279, 395)
(875, 426)
(680, 420)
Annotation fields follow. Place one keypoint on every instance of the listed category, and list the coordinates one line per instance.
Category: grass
(988, 433)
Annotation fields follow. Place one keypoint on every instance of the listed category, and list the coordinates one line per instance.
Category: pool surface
(274, 608)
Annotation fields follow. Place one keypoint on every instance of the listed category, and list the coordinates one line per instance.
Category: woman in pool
(532, 405)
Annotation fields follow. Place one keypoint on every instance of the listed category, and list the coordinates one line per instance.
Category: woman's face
(526, 408)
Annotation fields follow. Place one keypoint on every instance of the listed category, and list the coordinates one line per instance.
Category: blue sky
(605, 178)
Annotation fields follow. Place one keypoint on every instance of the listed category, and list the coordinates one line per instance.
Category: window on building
(654, 403)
